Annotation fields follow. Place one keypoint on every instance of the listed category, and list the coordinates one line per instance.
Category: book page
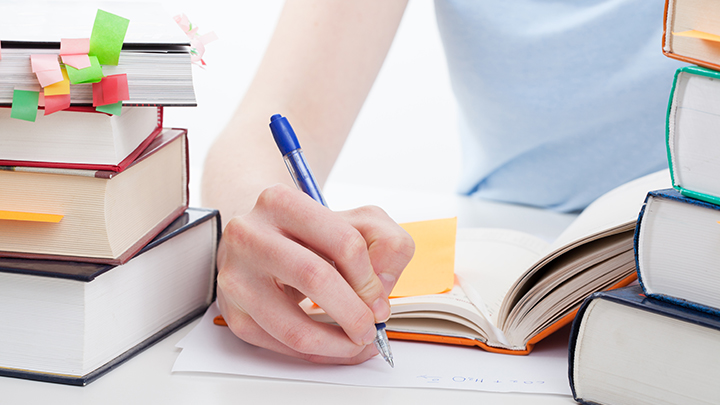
(488, 261)
(615, 210)
(491, 260)
(612, 213)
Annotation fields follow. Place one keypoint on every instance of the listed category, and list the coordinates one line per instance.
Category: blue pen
(302, 176)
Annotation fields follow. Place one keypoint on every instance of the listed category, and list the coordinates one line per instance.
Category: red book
(94, 216)
(79, 138)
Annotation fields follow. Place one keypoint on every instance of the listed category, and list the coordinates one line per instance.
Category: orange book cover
(689, 35)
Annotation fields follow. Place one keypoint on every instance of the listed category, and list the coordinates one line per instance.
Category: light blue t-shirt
(560, 100)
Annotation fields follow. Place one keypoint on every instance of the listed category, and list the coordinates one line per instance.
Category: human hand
(273, 257)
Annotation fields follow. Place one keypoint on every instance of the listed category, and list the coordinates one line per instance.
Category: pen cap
(283, 134)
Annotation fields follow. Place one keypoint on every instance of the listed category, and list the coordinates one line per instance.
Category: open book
(513, 289)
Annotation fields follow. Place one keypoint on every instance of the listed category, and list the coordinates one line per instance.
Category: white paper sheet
(214, 349)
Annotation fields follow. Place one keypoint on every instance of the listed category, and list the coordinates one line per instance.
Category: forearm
(317, 71)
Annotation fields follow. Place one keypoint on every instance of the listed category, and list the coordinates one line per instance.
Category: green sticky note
(114, 108)
(92, 74)
(107, 37)
(25, 105)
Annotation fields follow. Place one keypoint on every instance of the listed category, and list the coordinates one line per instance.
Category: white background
(405, 136)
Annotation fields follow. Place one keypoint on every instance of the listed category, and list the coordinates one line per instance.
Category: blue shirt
(560, 100)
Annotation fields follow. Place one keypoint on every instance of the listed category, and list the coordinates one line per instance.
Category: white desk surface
(414, 169)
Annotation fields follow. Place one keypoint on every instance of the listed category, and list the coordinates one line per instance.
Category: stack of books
(100, 255)
(659, 342)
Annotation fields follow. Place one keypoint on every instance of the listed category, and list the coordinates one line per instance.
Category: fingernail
(369, 337)
(381, 310)
(388, 282)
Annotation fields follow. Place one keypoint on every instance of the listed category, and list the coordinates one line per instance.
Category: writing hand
(273, 257)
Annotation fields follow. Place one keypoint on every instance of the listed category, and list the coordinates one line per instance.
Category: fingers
(390, 247)
(259, 268)
(243, 326)
(333, 237)
(284, 250)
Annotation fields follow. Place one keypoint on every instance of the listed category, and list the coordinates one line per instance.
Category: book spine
(670, 128)
(572, 343)
(668, 16)
(636, 241)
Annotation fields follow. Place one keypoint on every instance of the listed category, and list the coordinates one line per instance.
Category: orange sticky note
(432, 268)
(699, 35)
(29, 216)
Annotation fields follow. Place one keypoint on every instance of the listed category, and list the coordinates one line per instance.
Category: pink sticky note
(62, 87)
(110, 90)
(56, 103)
(76, 61)
(44, 62)
(209, 37)
(48, 77)
(74, 46)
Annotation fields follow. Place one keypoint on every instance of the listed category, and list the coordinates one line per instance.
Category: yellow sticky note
(432, 268)
(29, 216)
(698, 34)
(61, 87)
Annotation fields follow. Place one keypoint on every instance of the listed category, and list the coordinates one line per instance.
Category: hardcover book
(79, 138)
(691, 32)
(97, 216)
(71, 322)
(693, 147)
(676, 245)
(155, 55)
(626, 348)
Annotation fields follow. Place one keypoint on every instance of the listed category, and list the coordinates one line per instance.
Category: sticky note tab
(76, 61)
(25, 105)
(29, 216)
(43, 62)
(49, 77)
(56, 103)
(114, 109)
(92, 74)
(74, 46)
(110, 90)
(699, 35)
(107, 37)
(62, 87)
(432, 268)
